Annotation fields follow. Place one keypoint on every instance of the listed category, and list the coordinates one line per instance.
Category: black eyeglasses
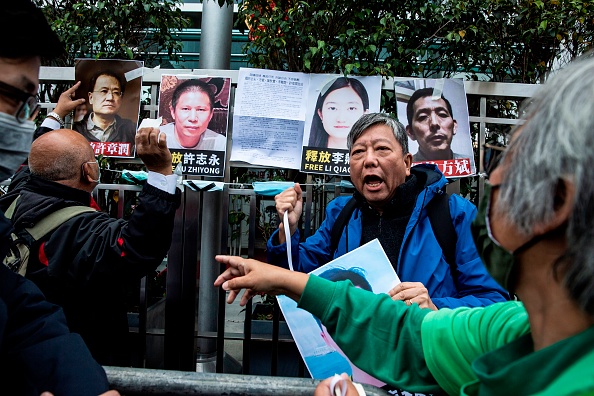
(29, 104)
(492, 153)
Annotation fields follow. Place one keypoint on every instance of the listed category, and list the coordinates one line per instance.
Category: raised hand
(290, 201)
(151, 147)
(258, 277)
(65, 103)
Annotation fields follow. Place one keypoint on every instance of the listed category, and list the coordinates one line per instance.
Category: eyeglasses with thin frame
(492, 154)
(114, 92)
(29, 103)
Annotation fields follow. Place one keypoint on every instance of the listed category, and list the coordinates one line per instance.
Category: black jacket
(37, 351)
(92, 259)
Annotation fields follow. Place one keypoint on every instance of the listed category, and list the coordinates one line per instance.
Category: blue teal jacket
(421, 258)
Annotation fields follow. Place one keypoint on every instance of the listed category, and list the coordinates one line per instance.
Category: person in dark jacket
(37, 351)
(392, 200)
(86, 264)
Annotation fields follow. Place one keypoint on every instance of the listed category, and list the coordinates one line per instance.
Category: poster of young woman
(335, 103)
(111, 89)
(435, 114)
(195, 113)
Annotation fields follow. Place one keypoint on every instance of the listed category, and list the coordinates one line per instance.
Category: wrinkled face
(378, 165)
(339, 112)
(106, 97)
(191, 116)
(432, 127)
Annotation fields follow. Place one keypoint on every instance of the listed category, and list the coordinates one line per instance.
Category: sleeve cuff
(317, 295)
(162, 182)
(50, 123)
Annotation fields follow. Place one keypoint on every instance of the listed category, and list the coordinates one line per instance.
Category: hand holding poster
(111, 89)
(435, 114)
(366, 267)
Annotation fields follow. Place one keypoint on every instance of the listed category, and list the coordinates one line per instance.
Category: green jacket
(463, 351)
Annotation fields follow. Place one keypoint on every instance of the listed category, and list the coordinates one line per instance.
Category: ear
(408, 159)
(410, 133)
(172, 112)
(85, 176)
(455, 127)
(91, 98)
(563, 207)
(320, 114)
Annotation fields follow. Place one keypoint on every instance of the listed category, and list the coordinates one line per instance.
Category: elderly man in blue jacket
(391, 205)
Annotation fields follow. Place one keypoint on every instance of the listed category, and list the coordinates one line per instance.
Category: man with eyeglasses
(103, 124)
(37, 351)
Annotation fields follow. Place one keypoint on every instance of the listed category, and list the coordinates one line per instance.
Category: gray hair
(59, 168)
(368, 120)
(557, 144)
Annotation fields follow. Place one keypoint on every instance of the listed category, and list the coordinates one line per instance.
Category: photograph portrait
(435, 115)
(195, 111)
(109, 117)
(335, 103)
(366, 267)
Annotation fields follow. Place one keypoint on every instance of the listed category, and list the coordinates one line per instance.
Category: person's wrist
(166, 171)
(56, 117)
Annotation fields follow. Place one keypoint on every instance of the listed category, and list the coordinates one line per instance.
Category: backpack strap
(10, 211)
(438, 211)
(341, 221)
(55, 219)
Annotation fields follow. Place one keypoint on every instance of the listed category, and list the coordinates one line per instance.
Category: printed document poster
(435, 114)
(195, 113)
(367, 267)
(335, 103)
(269, 117)
(109, 117)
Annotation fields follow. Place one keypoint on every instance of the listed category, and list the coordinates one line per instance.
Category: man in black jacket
(37, 351)
(86, 264)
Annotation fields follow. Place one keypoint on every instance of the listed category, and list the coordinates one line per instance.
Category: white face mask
(15, 143)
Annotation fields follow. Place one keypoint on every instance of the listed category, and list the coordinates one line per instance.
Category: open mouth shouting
(373, 182)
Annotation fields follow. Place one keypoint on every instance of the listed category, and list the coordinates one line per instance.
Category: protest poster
(435, 114)
(109, 118)
(195, 115)
(335, 103)
(367, 267)
(269, 117)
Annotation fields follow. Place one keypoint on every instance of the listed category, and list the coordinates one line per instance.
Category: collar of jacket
(46, 187)
(421, 177)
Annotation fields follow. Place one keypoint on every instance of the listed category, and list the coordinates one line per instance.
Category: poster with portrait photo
(366, 267)
(435, 114)
(109, 118)
(195, 116)
(335, 103)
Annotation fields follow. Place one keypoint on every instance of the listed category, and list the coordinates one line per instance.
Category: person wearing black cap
(37, 351)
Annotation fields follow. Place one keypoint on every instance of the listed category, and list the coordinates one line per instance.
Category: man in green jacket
(535, 233)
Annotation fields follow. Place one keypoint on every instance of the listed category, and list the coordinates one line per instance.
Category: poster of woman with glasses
(111, 89)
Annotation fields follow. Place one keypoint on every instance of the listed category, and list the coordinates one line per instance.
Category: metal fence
(175, 334)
